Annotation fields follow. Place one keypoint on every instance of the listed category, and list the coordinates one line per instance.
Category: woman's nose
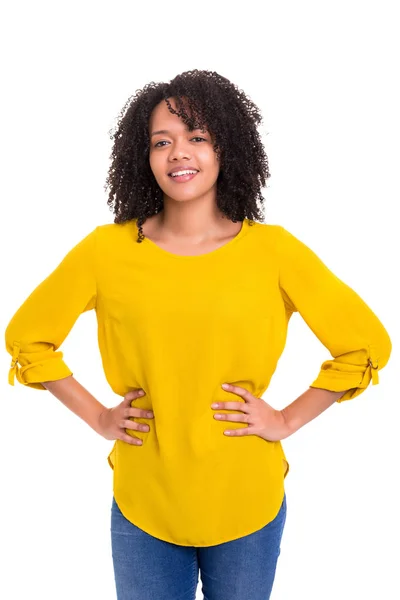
(180, 150)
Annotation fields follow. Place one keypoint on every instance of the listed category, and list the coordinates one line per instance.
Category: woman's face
(178, 147)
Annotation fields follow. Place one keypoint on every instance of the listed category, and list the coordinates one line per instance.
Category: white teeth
(177, 173)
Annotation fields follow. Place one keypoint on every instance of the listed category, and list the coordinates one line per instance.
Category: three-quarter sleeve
(356, 339)
(44, 320)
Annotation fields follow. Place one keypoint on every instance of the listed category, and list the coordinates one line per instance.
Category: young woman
(193, 294)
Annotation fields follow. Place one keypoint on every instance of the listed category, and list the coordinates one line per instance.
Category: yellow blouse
(178, 327)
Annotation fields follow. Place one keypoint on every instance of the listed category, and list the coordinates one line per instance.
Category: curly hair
(214, 103)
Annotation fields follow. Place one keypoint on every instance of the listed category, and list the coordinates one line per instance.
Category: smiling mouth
(183, 178)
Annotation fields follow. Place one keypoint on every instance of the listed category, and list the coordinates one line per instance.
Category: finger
(133, 395)
(139, 412)
(242, 406)
(239, 418)
(238, 432)
(131, 440)
(235, 389)
(134, 425)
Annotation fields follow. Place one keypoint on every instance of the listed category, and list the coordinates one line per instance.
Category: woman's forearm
(308, 406)
(77, 398)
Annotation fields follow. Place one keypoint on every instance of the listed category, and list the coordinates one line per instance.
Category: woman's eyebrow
(159, 131)
(166, 131)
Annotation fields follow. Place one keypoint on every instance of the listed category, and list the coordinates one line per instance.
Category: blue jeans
(146, 568)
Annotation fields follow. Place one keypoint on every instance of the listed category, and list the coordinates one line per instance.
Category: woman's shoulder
(113, 231)
(266, 228)
(268, 233)
(114, 228)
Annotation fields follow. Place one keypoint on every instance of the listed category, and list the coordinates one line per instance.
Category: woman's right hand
(114, 421)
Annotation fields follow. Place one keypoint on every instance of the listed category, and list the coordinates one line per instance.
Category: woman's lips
(183, 178)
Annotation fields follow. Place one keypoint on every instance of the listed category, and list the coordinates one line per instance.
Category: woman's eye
(164, 142)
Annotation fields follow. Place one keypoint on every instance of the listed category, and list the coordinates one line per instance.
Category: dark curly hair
(214, 103)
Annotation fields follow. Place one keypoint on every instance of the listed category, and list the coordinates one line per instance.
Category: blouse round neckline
(217, 251)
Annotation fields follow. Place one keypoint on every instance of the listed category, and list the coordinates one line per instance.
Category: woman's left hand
(262, 419)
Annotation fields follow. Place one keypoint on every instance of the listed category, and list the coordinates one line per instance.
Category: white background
(325, 75)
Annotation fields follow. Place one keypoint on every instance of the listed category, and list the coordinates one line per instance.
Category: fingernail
(215, 405)
(150, 414)
(225, 385)
(141, 392)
